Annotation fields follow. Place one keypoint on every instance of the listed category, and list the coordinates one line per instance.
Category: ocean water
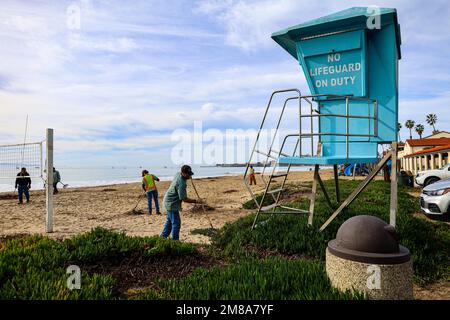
(99, 176)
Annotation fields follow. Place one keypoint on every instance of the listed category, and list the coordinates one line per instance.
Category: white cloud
(120, 45)
(26, 24)
(132, 74)
(248, 24)
(213, 7)
(208, 108)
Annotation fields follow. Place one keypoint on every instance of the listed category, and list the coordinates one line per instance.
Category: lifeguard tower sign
(338, 68)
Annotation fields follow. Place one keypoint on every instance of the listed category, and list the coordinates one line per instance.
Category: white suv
(435, 199)
(425, 178)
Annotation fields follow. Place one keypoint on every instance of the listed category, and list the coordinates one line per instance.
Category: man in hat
(175, 195)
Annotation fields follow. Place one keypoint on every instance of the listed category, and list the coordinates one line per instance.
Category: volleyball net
(15, 157)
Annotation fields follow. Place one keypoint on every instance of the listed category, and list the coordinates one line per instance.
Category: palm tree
(431, 120)
(410, 124)
(399, 127)
(419, 130)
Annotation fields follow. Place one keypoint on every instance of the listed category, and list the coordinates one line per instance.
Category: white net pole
(24, 139)
(49, 182)
(42, 160)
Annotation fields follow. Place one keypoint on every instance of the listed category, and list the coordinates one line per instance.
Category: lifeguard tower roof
(352, 18)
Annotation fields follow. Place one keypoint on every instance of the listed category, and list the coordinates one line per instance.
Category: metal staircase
(272, 157)
(279, 170)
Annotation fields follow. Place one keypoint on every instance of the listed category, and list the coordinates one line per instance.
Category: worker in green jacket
(175, 195)
(149, 187)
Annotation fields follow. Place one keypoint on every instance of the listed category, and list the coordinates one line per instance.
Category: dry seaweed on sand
(230, 191)
(209, 232)
(135, 212)
(201, 207)
(8, 196)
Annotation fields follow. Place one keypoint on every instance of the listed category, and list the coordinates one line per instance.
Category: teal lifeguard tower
(350, 61)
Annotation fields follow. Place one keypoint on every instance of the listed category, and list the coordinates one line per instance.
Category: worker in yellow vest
(149, 186)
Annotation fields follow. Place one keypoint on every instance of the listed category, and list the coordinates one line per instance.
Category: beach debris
(209, 232)
(109, 190)
(135, 212)
(8, 196)
(230, 191)
(201, 208)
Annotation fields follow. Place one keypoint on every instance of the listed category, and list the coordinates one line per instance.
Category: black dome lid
(368, 239)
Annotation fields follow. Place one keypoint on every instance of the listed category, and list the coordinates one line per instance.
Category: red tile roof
(430, 150)
(430, 142)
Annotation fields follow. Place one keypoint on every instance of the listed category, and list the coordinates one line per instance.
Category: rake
(134, 211)
(64, 185)
(211, 230)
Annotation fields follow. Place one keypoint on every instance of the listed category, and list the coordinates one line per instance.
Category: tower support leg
(394, 185)
(336, 183)
(313, 195)
(325, 193)
(358, 190)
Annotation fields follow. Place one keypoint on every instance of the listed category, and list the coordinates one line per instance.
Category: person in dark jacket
(56, 180)
(23, 184)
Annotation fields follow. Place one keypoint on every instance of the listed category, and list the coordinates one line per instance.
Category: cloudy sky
(117, 87)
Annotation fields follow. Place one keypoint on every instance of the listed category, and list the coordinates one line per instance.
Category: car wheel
(430, 181)
(446, 216)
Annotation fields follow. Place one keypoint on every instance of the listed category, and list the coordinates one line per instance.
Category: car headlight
(439, 192)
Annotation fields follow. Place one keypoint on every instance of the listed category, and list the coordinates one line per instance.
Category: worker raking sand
(175, 195)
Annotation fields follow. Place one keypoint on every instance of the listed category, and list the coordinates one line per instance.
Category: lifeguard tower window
(352, 72)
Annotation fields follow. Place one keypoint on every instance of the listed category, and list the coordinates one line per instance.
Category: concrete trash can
(366, 257)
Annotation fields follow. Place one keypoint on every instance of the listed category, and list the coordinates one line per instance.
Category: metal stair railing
(278, 192)
(269, 153)
(347, 116)
(273, 160)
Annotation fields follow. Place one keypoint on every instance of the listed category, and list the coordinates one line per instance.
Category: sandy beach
(78, 210)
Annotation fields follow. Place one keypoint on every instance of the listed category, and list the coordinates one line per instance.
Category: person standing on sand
(252, 176)
(56, 180)
(175, 195)
(23, 183)
(149, 187)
